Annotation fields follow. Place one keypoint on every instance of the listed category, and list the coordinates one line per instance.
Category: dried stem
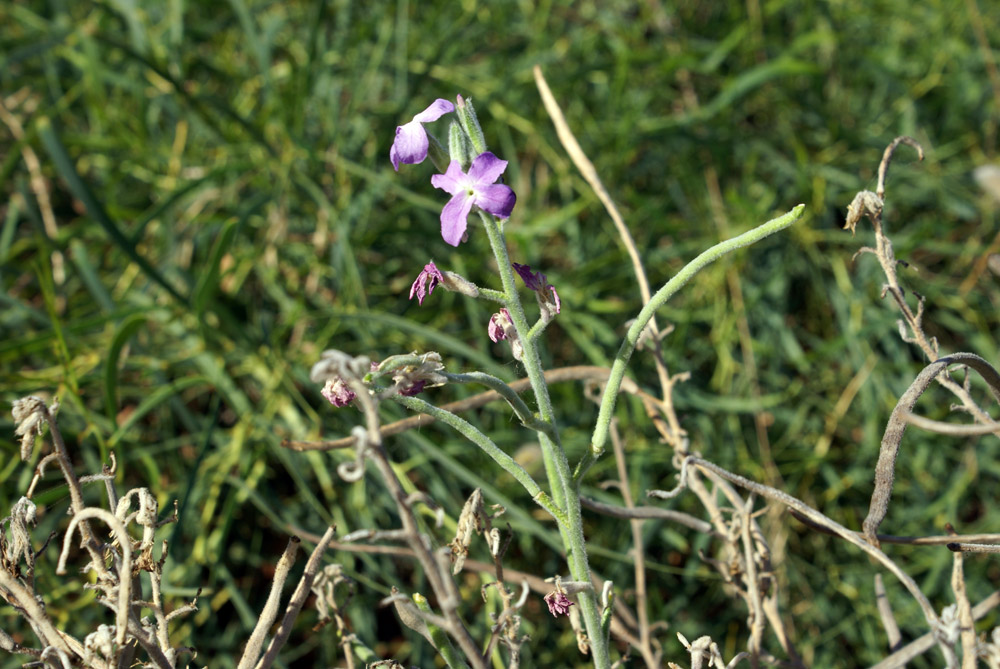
(651, 657)
(297, 600)
(124, 579)
(756, 619)
(841, 531)
(933, 540)
(21, 598)
(966, 625)
(920, 646)
(872, 205)
(649, 513)
(267, 616)
(61, 454)
(885, 613)
(885, 467)
(39, 185)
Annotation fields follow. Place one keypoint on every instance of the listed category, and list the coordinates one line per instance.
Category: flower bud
(457, 283)
(470, 124)
(459, 148)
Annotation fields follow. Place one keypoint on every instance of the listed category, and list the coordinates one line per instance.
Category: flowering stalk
(553, 456)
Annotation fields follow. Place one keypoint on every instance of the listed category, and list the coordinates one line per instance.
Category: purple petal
(486, 169)
(455, 218)
(426, 282)
(453, 180)
(410, 146)
(436, 110)
(558, 603)
(531, 280)
(497, 199)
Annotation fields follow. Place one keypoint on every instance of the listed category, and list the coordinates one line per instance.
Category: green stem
(508, 463)
(554, 457)
(537, 329)
(493, 295)
(528, 419)
(600, 437)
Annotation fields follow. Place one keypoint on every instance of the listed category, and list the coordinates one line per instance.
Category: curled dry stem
(883, 166)
(871, 205)
(891, 439)
(124, 580)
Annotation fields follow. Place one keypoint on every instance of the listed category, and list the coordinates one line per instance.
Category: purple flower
(500, 323)
(337, 392)
(558, 603)
(478, 188)
(548, 298)
(411, 142)
(426, 282)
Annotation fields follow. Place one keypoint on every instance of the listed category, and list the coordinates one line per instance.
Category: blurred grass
(226, 210)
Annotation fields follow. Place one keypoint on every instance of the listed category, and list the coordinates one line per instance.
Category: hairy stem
(554, 457)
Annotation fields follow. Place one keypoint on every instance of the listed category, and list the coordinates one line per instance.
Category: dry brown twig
(870, 205)
(119, 585)
(885, 468)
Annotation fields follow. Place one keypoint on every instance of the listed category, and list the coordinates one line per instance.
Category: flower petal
(531, 280)
(410, 146)
(426, 282)
(453, 180)
(495, 328)
(486, 168)
(455, 218)
(497, 199)
(436, 110)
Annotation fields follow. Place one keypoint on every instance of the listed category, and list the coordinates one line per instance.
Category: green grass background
(226, 210)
